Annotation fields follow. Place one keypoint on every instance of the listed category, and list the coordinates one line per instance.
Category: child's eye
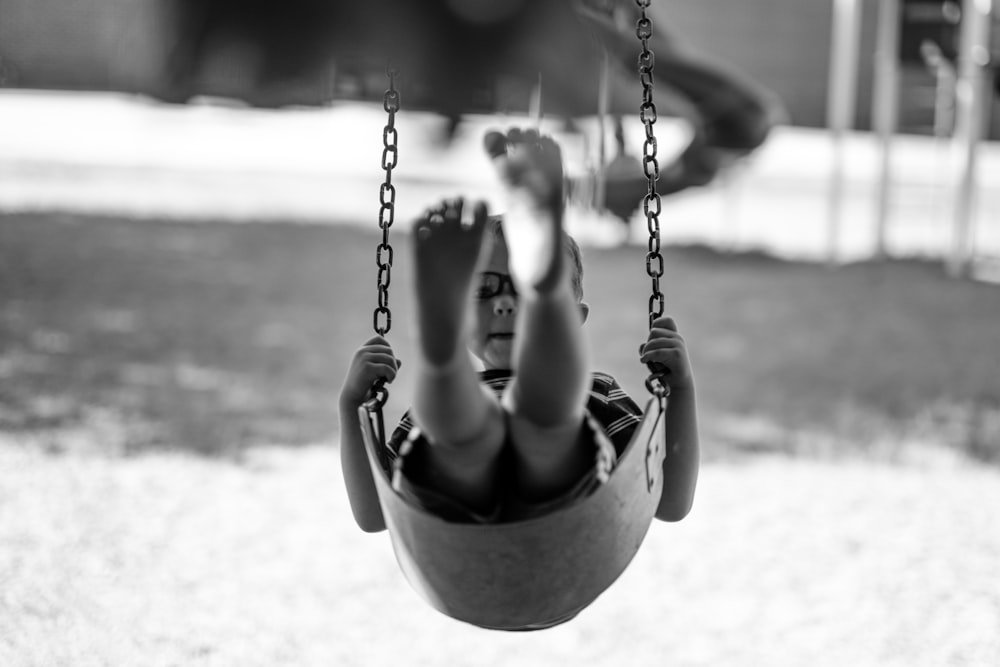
(485, 291)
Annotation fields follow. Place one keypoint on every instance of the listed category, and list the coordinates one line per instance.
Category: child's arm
(372, 361)
(680, 467)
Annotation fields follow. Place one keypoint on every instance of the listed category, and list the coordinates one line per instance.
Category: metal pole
(885, 111)
(535, 104)
(944, 114)
(973, 59)
(840, 105)
(944, 98)
(603, 101)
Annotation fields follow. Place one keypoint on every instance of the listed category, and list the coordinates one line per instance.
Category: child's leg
(547, 397)
(462, 419)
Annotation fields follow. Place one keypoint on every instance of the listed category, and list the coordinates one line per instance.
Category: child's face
(492, 338)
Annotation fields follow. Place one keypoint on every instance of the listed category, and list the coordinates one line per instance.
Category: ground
(164, 559)
(170, 491)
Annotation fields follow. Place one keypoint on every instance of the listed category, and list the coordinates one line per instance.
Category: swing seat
(535, 573)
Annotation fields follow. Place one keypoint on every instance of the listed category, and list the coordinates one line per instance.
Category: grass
(215, 337)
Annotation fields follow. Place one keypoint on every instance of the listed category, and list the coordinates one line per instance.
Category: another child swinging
(536, 429)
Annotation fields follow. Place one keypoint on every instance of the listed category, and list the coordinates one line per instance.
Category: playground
(183, 279)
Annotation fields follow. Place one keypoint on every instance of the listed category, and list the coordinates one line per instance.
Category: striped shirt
(608, 405)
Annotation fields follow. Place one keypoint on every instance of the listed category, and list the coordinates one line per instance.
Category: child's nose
(504, 305)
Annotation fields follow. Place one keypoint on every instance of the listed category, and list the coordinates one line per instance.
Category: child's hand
(666, 347)
(372, 361)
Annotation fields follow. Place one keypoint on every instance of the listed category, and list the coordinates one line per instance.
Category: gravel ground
(173, 560)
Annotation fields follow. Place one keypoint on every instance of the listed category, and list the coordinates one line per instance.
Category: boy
(525, 441)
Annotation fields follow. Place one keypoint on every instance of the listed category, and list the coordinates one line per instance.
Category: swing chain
(651, 201)
(382, 317)
(650, 166)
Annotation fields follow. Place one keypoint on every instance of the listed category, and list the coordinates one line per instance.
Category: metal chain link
(651, 201)
(650, 166)
(382, 317)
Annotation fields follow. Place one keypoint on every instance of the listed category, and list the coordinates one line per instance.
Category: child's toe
(453, 210)
(495, 144)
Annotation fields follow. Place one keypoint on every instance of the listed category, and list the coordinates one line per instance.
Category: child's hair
(569, 245)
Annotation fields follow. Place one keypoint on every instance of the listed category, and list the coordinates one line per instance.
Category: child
(531, 432)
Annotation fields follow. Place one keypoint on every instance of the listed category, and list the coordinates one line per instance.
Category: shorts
(413, 481)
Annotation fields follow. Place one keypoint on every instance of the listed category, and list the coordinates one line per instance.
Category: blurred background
(189, 214)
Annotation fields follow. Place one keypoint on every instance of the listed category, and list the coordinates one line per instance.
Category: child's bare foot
(447, 251)
(530, 167)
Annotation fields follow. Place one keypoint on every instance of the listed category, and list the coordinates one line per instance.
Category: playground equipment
(535, 573)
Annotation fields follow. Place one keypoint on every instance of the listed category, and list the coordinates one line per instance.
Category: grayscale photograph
(282, 284)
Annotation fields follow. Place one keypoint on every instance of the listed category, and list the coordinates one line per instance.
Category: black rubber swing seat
(535, 573)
